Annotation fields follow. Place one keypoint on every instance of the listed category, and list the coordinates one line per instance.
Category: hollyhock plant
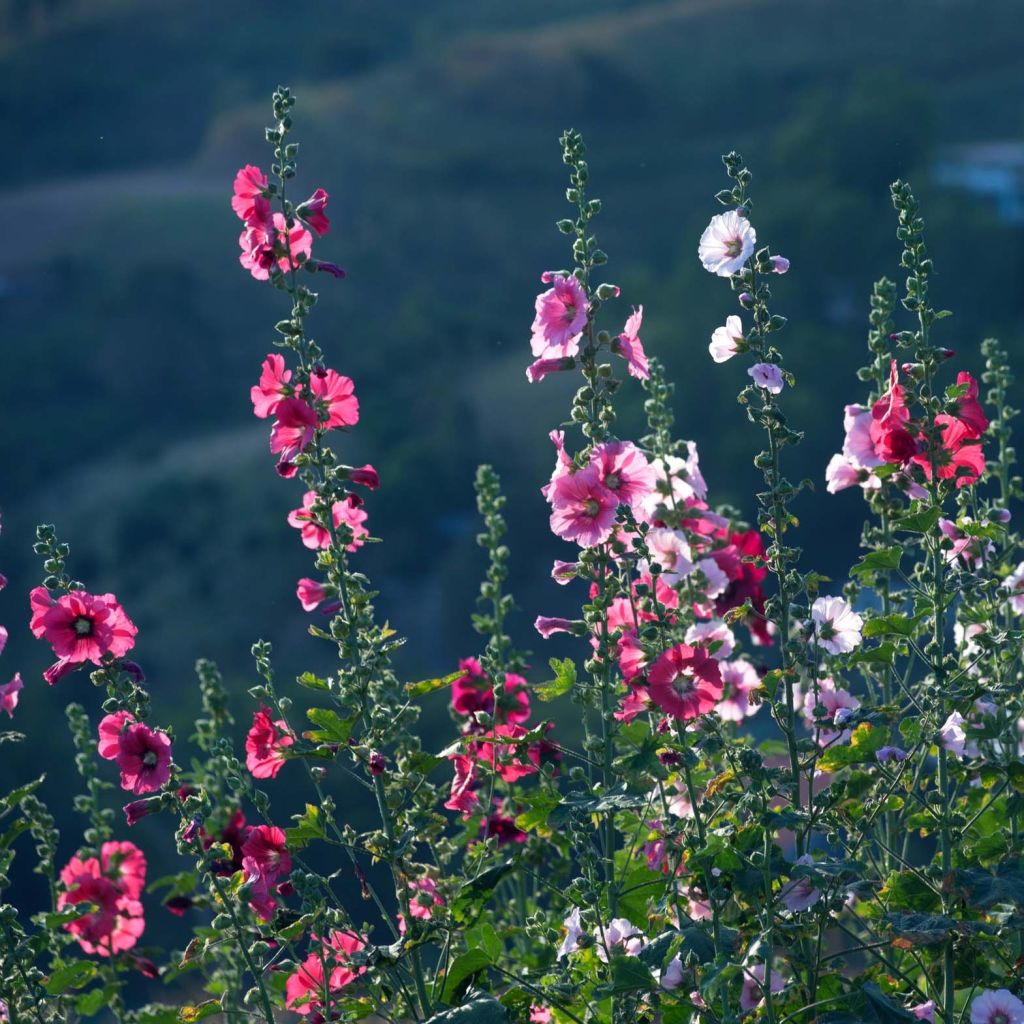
(727, 243)
(685, 682)
(265, 745)
(144, 757)
(265, 861)
(274, 385)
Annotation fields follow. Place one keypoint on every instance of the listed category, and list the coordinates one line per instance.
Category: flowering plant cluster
(794, 801)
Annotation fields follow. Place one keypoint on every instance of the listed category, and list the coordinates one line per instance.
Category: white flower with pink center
(727, 341)
(837, 627)
(727, 243)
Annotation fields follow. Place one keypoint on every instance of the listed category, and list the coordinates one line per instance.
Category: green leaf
(630, 974)
(878, 561)
(689, 942)
(865, 740)
(425, 686)
(564, 681)
(930, 929)
(312, 682)
(472, 896)
(919, 522)
(332, 727)
(540, 804)
(308, 826)
(883, 654)
(481, 1009)
(485, 937)
(72, 975)
(15, 796)
(903, 890)
(92, 1002)
(617, 799)
(982, 890)
(461, 971)
(889, 625)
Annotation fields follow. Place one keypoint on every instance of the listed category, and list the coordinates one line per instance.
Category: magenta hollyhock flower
(265, 860)
(501, 827)
(312, 212)
(264, 245)
(837, 627)
(971, 550)
(463, 797)
(958, 457)
(685, 682)
(583, 509)
(423, 897)
(539, 1014)
(890, 437)
(265, 745)
(9, 694)
(548, 626)
(727, 341)
(498, 749)
(739, 680)
(349, 513)
(727, 243)
(631, 348)
(365, 476)
(561, 316)
(624, 470)
(135, 811)
(310, 594)
(336, 394)
(250, 184)
(997, 1006)
(314, 535)
(110, 729)
(780, 265)
(273, 386)
(767, 376)
(540, 368)
(293, 428)
(968, 409)
(305, 988)
(144, 757)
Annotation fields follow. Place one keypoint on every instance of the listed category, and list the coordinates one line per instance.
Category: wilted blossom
(727, 243)
(767, 376)
(837, 627)
(998, 1006)
(727, 341)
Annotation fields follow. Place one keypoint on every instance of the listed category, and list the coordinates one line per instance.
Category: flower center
(591, 507)
(149, 759)
(999, 1018)
(570, 313)
(82, 625)
(683, 684)
(733, 247)
(612, 481)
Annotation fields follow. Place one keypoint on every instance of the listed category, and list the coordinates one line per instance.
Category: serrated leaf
(482, 1009)
(891, 625)
(630, 974)
(564, 681)
(312, 682)
(308, 826)
(70, 976)
(879, 561)
(918, 522)
(92, 1002)
(332, 727)
(425, 686)
(540, 806)
(474, 893)
(865, 740)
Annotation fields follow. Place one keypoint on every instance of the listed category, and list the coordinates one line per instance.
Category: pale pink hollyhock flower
(312, 212)
(548, 626)
(685, 682)
(677, 481)
(780, 265)
(250, 184)
(837, 627)
(669, 548)
(799, 893)
(540, 1015)
(752, 993)
(727, 243)
(841, 473)
(702, 634)
(574, 931)
(717, 578)
(273, 386)
(972, 551)
(739, 680)
(857, 444)
(698, 906)
(563, 572)
(631, 348)
(767, 376)
(582, 508)
(144, 757)
(964, 636)
(1014, 583)
(999, 1006)
(265, 745)
(423, 897)
(672, 976)
(540, 368)
(924, 1011)
(335, 393)
(833, 700)
(619, 933)
(625, 471)
(680, 804)
(561, 316)
(727, 341)
(9, 694)
(563, 464)
(952, 735)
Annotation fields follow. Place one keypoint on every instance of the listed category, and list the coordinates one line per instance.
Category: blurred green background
(132, 336)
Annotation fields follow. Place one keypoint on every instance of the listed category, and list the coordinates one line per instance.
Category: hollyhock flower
(752, 993)
(561, 316)
(144, 757)
(767, 376)
(952, 735)
(248, 201)
(891, 439)
(958, 457)
(548, 626)
(1014, 583)
(631, 348)
(540, 368)
(968, 409)
(348, 513)
(837, 627)
(80, 627)
(3, 638)
(972, 551)
(780, 265)
(273, 386)
(679, 481)
(857, 444)
(685, 682)
(727, 243)
(110, 729)
(336, 394)
(310, 594)
(265, 745)
(563, 572)
(727, 341)
(463, 797)
(563, 464)
(312, 212)
(292, 431)
(501, 827)
(540, 1015)
(503, 757)
(998, 1006)
(832, 701)
(265, 860)
(316, 536)
(365, 476)
(841, 473)
(424, 897)
(619, 933)
(924, 1011)
(231, 835)
(672, 976)
(473, 692)
(799, 893)
(885, 754)
(582, 508)
(670, 549)
(9, 694)
(264, 245)
(304, 989)
(739, 680)
(135, 811)
(703, 634)
(716, 581)
(574, 931)
(624, 470)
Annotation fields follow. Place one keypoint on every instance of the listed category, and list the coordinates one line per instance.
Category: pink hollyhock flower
(739, 680)
(563, 464)
(110, 729)
(672, 976)
(767, 376)
(997, 1006)
(727, 341)
(635, 703)
(348, 513)
(263, 246)
(583, 509)
(539, 1014)
(540, 368)
(273, 386)
(780, 265)
(890, 437)
(365, 476)
(9, 694)
(841, 473)
(703, 634)
(314, 535)
(619, 933)
(685, 682)
(885, 754)
(424, 897)
(574, 931)
(832, 700)
(231, 835)
(837, 627)
(310, 594)
(857, 444)
(473, 692)
(958, 457)
(548, 626)
(265, 745)
(670, 549)
(248, 201)
(463, 797)
(924, 1011)
(678, 481)
(80, 627)
(501, 827)
(624, 470)
(3, 638)
(972, 551)
(968, 409)
(1014, 583)
(491, 748)
(293, 429)
(952, 735)
(136, 810)
(799, 893)
(337, 394)
(304, 989)
(312, 212)
(144, 757)
(752, 992)
(561, 316)
(727, 243)
(265, 860)
(631, 348)
(564, 572)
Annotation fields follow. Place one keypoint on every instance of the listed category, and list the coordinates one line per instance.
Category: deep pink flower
(265, 745)
(685, 681)
(305, 988)
(9, 694)
(624, 470)
(365, 476)
(499, 749)
(110, 729)
(501, 826)
(968, 409)
(958, 456)
(250, 184)
(336, 394)
(548, 626)
(273, 386)
(312, 212)
(144, 757)
(423, 897)
(263, 246)
(561, 316)
(135, 811)
(890, 437)
(265, 860)
(310, 594)
(293, 428)
(231, 835)
(631, 348)
(540, 368)
(583, 509)
(473, 692)
(463, 797)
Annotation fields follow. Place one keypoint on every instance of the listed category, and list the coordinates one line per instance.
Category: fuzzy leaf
(864, 741)
(564, 681)
(307, 826)
(630, 974)
(425, 686)
(72, 975)
(876, 561)
(919, 522)
(332, 727)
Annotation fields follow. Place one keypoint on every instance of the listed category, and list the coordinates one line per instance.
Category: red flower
(890, 437)
(685, 681)
(968, 409)
(958, 456)
(265, 745)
